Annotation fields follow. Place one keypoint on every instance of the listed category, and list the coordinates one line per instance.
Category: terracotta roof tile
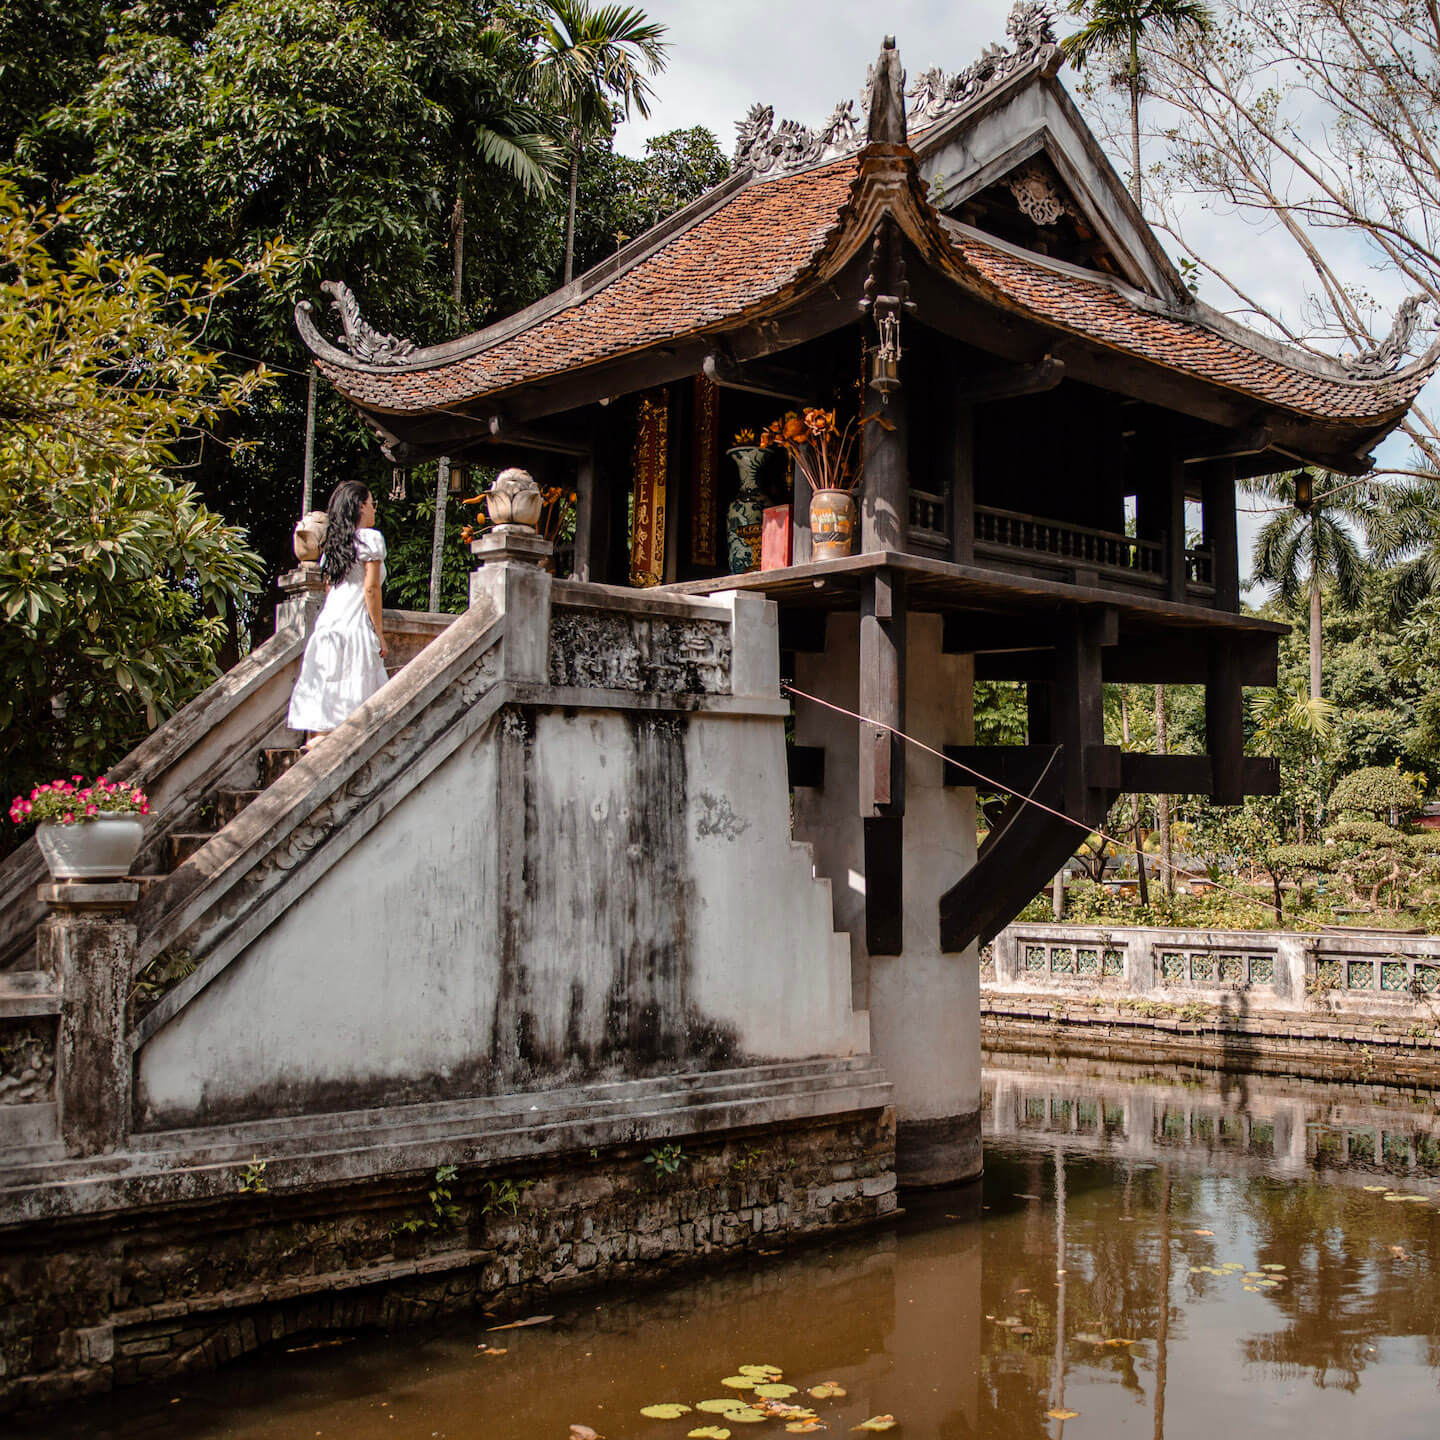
(761, 241)
(732, 259)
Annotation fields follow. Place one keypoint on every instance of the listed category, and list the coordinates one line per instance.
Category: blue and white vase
(744, 518)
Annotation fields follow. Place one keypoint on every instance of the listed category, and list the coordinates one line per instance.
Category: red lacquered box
(775, 538)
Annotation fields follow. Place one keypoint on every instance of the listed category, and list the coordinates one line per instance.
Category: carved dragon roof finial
(1384, 359)
(361, 339)
(885, 91)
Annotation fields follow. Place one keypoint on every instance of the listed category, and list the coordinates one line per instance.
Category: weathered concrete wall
(159, 1293)
(573, 893)
(923, 1004)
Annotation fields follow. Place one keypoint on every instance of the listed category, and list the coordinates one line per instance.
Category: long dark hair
(337, 552)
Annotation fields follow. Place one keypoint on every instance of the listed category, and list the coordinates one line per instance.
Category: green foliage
(1375, 790)
(157, 976)
(444, 1213)
(252, 1177)
(503, 1197)
(115, 579)
(665, 1159)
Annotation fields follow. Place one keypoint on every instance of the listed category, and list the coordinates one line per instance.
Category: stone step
(229, 803)
(185, 844)
(274, 763)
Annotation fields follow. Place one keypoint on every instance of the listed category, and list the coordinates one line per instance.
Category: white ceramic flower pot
(102, 848)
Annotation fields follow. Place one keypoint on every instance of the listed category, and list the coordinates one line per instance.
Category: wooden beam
(882, 693)
(1012, 767)
(758, 378)
(1182, 657)
(1045, 374)
(1225, 724)
(884, 841)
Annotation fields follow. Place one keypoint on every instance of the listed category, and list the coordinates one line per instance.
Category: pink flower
(67, 818)
(145, 809)
(92, 810)
(78, 779)
(26, 807)
(137, 797)
(35, 793)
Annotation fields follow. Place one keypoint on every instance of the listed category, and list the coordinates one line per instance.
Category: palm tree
(1114, 29)
(590, 64)
(1408, 543)
(1314, 541)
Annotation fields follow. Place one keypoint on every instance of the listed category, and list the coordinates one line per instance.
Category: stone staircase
(225, 805)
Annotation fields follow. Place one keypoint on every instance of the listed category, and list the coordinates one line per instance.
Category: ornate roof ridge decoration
(771, 150)
(1030, 28)
(367, 344)
(1384, 359)
(1037, 194)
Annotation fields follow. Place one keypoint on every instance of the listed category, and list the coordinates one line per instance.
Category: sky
(801, 56)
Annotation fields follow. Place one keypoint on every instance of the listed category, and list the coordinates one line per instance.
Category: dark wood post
(882, 758)
(1175, 530)
(885, 492)
(1225, 723)
(1078, 719)
(962, 484)
(1218, 502)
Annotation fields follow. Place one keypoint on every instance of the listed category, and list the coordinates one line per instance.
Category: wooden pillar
(882, 758)
(962, 484)
(1078, 718)
(1225, 724)
(1218, 502)
(1175, 530)
(592, 523)
(885, 493)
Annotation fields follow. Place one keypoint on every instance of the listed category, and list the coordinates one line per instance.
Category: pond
(1154, 1251)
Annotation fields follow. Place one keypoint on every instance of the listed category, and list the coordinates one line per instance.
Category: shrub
(1376, 790)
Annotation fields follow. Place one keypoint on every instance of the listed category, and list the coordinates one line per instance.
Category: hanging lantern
(1304, 492)
(885, 357)
(397, 484)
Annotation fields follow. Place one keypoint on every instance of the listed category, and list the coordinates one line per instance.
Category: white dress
(342, 667)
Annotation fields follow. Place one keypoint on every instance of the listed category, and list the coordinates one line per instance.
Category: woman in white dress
(344, 662)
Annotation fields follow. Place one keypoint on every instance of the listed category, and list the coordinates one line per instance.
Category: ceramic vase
(832, 524)
(745, 517)
(101, 848)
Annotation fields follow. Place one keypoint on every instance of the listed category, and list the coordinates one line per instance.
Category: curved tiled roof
(756, 249)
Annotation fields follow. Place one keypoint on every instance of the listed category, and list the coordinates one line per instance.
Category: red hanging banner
(652, 459)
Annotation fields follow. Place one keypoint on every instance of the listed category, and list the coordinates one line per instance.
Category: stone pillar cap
(67, 895)
(511, 542)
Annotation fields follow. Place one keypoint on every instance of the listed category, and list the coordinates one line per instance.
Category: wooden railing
(1142, 560)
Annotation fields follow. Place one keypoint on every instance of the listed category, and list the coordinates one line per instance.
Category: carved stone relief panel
(596, 650)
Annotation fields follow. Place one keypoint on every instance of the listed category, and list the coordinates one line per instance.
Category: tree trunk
(1135, 115)
(457, 245)
(437, 545)
(1144, 883)
(570, 208)
(1315, 640)
(1162, 802)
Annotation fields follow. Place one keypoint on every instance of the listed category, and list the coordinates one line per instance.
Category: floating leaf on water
(1251, 1289)
(583, 1432)
(1375, 1189)
(1254, 1274)
(721, 1407)
(804, 1427)
(878, 1422)
(709, 1432)
(746, 1415)
(1120, 1340)
(1018, 1196)
(760, 1372)
(775, 1392)
(1025, 1291)
(1021, 1330)
(1272, 1266)
(670, 1410)
(831, 1390)
(1061, 1414)
(1231, 1265)
(1009, 1321)
(491, 1349)
(1271, 1284)
(739, 1382)
(1086, 1338)
(1202, 1232)
(521, 1324)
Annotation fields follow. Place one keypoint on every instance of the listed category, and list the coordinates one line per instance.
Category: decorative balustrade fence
(1281, 971)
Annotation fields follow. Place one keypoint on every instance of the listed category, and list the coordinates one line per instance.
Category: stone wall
(85, 1307)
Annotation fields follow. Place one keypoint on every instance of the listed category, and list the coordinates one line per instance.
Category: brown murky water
(1161, 1253)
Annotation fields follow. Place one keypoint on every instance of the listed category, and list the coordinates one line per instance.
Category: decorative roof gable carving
(1384, 358)
(362, 339)
(792, 146)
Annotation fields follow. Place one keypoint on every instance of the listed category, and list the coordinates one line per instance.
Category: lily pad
(1375, 1189)
(721, 1407)
(775, 1392)
(1061, 1414)
(739, 1382)
(803, 1427)
(1086, 1338)
(670, 1410)
(878, 1422)
(760, 1372)
(709, 1432)
(1202, 1232)
(746, 1415)
(1272, 1266)
(827, 1390)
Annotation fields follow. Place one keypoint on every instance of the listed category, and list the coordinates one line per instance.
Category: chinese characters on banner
(705, 471)
(652, 457)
